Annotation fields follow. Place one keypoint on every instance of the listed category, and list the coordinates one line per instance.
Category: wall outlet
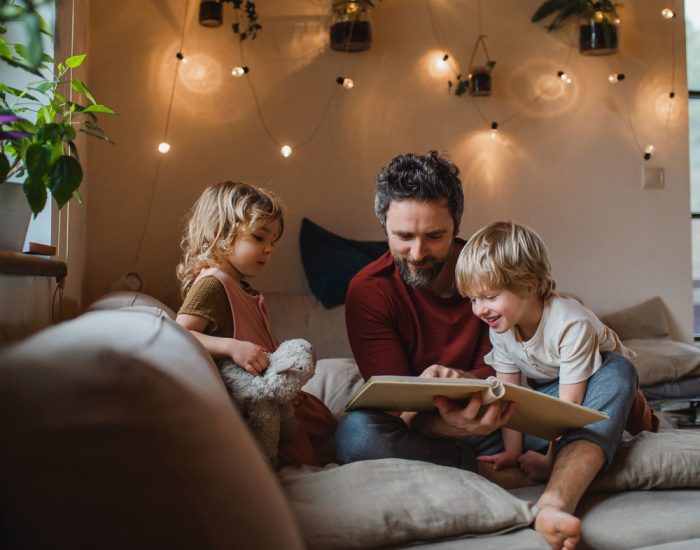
(652, 177)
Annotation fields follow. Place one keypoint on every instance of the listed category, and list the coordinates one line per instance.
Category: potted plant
(598, 27)
(38, 123)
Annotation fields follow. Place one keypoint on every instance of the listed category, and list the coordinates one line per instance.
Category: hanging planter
(599, 27)
(351, 30)
(478, 81)
(598, 35)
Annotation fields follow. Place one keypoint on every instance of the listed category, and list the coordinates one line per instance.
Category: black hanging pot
(351, 30)
(599, 35)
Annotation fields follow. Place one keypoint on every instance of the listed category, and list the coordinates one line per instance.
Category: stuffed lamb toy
(265, 399)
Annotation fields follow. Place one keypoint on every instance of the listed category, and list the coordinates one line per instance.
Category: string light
(346, 83)
(163, 147)
(494, 129)
(668, 13)
(564, 77)
(648, 151)
(614, 78)
(181, 57)
(240, 71)
(286, 151)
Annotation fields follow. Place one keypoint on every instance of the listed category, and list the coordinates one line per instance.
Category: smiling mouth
(492, 321)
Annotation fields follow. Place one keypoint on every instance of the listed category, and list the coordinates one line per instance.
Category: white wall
(567, 165)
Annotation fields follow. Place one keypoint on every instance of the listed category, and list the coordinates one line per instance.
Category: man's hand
(461, 421)
(438, 371)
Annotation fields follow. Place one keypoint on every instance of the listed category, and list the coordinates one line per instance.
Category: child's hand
(506, 459)
(249, 356)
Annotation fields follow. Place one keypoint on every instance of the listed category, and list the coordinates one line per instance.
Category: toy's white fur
(262, 397)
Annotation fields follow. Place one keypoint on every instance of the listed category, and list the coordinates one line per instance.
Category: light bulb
(598, 16)
(286, 151)
(163, 147)
(614, 78)
(650, 149)
(239, 71)
(494, 130)
(668, 13)
(346, 83)
(565, 77)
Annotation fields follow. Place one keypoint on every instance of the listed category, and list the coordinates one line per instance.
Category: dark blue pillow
(330, 261)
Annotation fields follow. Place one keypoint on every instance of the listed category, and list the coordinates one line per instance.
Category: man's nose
(418, 250)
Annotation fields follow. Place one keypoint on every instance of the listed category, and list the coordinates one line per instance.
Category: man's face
(421, 236)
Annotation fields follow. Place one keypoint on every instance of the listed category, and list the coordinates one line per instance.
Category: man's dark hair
(426, 178)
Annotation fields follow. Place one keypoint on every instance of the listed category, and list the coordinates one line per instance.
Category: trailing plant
(561, 10)
(38, 123)
(252, 27)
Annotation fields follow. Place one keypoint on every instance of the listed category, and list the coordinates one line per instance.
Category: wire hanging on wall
(494, 125)
(287, 149)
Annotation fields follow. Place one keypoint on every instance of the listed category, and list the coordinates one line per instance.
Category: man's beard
(421, 277)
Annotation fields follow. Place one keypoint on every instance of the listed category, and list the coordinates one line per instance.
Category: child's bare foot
(560, 529)
(536, 466)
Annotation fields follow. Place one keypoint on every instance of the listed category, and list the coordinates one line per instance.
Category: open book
(536, 413)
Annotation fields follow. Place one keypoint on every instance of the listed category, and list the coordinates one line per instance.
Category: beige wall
(567, 165)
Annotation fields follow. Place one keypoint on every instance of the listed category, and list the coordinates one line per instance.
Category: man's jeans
(365, 434)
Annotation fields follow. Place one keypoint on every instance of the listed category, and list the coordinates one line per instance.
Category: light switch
(652, 177)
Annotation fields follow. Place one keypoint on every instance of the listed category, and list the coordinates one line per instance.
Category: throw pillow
(331, 261)
(661, 360)
(335, 382)
(645, 320)
(668, 459)
(377, 503)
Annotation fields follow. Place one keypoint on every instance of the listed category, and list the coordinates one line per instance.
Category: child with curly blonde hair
(229, 237)
(560, 346)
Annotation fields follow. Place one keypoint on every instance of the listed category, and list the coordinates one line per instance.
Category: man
(405, 317)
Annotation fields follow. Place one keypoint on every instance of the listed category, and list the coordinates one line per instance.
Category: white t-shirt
(566, 345)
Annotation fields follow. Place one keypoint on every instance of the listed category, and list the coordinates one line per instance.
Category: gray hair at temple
(426, 178)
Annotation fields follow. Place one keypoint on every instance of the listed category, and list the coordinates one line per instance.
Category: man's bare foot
(508, 478)
(536, 466)
(560, 529)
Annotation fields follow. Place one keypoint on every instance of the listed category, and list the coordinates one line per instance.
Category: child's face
(501, 309)
(251, 251)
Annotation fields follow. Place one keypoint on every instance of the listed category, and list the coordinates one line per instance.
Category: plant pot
(15, 214)
(350, 30)
(480, 81)
(598, 37)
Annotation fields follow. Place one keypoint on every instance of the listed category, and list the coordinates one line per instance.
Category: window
(692, 31)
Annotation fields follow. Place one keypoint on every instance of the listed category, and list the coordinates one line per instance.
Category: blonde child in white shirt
(555, 342)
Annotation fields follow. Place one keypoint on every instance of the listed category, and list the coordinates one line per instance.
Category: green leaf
(5, 50)
(65, 179)
(9, 11)
(34, 50)
(44, 87)
(50, 132)
(98, 108)
(37, 160)
(79, 87)
(75, 61)
(36, 194)
(4, 167)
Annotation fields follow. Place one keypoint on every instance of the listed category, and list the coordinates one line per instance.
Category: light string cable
(440, 39)
(159, 162)
(258, 107)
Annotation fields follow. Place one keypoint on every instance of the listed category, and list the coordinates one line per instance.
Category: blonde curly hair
(505, 255)
(222, 213)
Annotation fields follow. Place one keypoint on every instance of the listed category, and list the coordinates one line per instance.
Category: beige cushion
(128, 298)
(668, 459)
(387, 502)
(661, 360)
(302, 316)
(645, 320)
(335, 382)
(117, 432)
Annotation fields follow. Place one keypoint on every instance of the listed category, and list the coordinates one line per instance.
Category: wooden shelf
(16, 263)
